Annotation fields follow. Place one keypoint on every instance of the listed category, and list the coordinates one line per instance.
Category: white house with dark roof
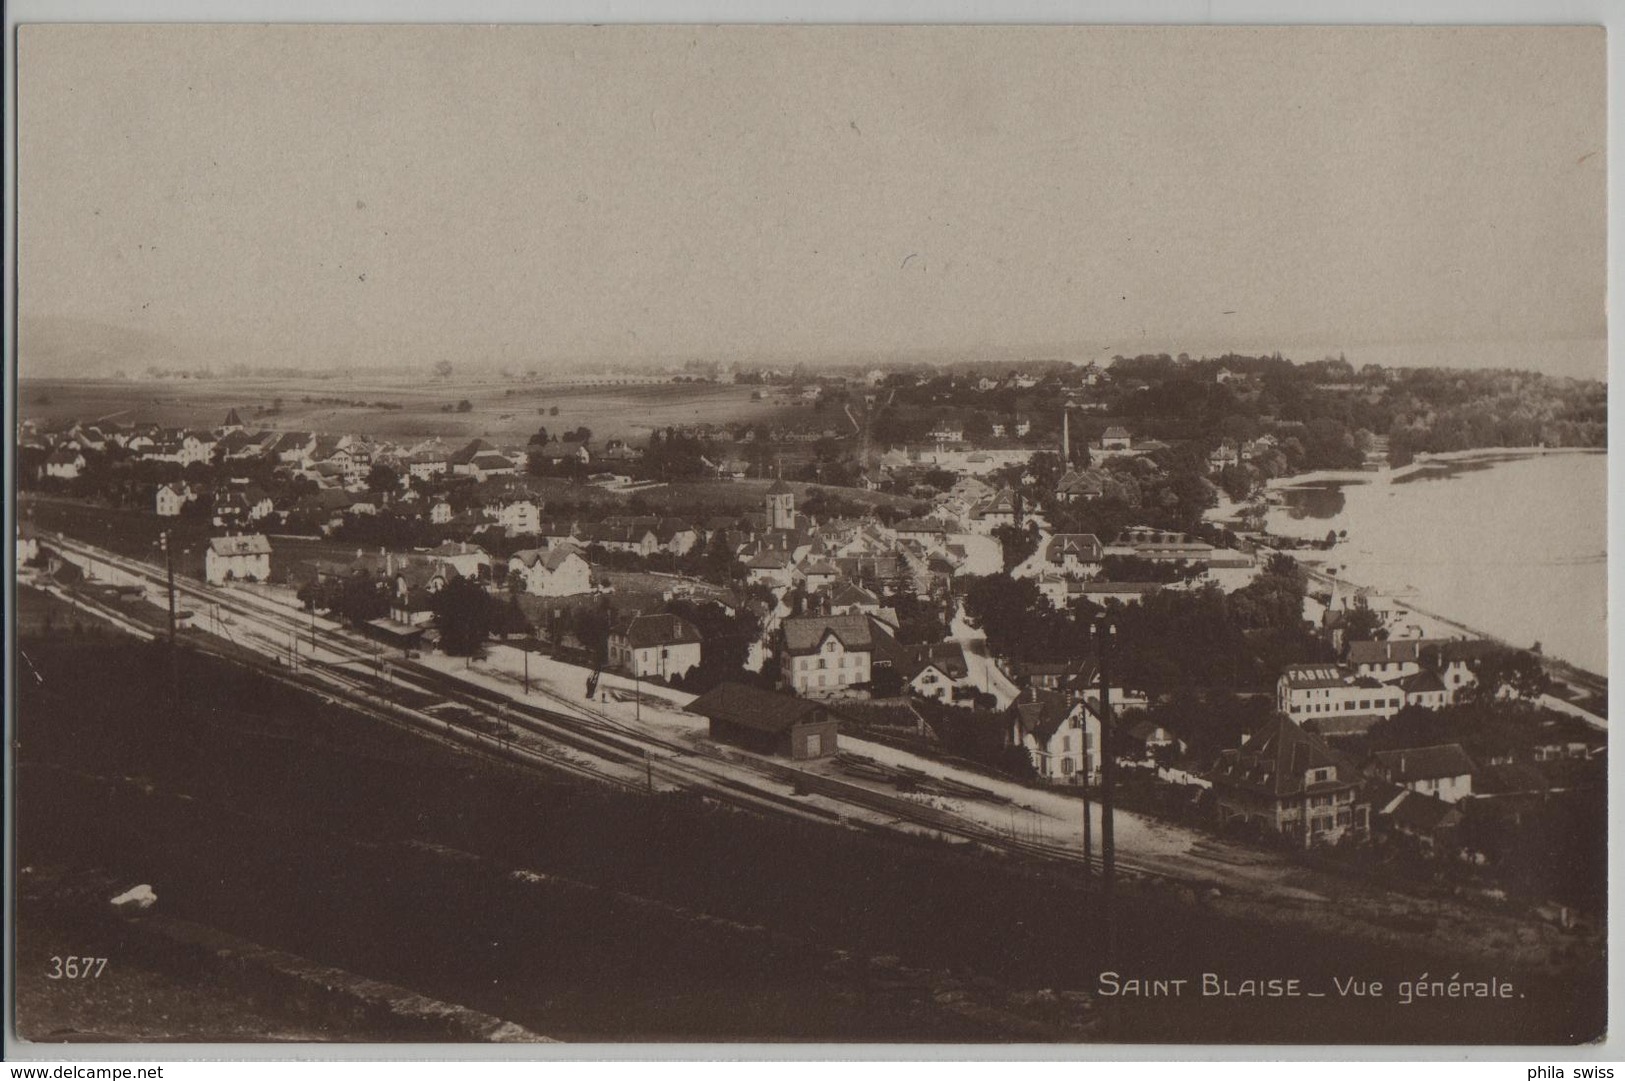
(1388, 661)
(245, 558)
(1288, 781)
(1425, 689)
(491, 464)
(770, 568)
(660, 646)
(1074, 553)
(1444, 771)
(1334, 697)
(64, 464)
(1060, 735)
(935, 670)
(1116, 438)
(827, 655)
(519, 516)
(556, 572)
(816, 573)
(1078, 486)
(171, 499)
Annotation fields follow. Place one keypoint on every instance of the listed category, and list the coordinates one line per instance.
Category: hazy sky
(328, 196)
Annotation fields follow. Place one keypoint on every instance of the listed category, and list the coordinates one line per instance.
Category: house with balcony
(1286, 781)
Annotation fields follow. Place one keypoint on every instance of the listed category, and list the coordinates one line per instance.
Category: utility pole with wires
(1106, 632)
(166, 542)
(169, 571)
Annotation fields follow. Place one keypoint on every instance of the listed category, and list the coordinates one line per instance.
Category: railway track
(583, 742)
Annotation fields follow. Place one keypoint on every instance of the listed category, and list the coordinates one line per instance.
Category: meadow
(502, 411)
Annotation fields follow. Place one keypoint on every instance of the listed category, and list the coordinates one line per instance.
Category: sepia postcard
(826, 535)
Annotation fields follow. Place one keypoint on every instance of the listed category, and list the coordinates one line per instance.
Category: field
(503, 411)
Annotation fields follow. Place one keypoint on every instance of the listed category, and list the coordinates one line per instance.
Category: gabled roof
(469, 453)
(751, 707)
(1276, 759)
(562, 449)
(667, 528)
(551, 559)
(604, 533)
(491, 461)
(780, 488)
(232, 420)
(1421, 682)
(662, 629)
(1000, 502)
(1404, 651)
(806, 634)
(1084, 546)
(457, 548)
(1078, 482)
(1043, 714)
(1423, 763)
(1415, 812)
(845, 594)
(292, 441)
(252, 544)
(947, 657)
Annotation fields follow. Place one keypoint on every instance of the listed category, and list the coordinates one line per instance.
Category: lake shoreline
(1422, 463)
(1377, 545)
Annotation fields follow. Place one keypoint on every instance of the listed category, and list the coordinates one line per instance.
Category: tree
(463, 617)
(381, 478)
(1016, 543)
(442, 368)
(1363, 623)
(465, 406)
(539, 439)
(1003, 608)
(1502, 672)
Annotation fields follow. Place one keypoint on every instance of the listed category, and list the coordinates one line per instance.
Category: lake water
(1514, 548)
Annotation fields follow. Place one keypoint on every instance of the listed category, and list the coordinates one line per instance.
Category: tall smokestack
(1066, 437)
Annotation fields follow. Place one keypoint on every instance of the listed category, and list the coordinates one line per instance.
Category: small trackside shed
(767, 723)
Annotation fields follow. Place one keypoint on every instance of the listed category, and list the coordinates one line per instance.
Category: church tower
(781, 506)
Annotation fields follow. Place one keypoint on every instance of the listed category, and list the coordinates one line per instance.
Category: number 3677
(76, 968)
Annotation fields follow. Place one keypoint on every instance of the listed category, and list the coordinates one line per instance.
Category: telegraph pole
(527, 670)
(169, 569)
(1106, 629)
(174, 656)
(1088, 826)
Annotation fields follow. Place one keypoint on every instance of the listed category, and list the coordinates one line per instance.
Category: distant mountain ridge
(58, 347)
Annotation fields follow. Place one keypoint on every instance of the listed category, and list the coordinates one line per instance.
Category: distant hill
(55, 347)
